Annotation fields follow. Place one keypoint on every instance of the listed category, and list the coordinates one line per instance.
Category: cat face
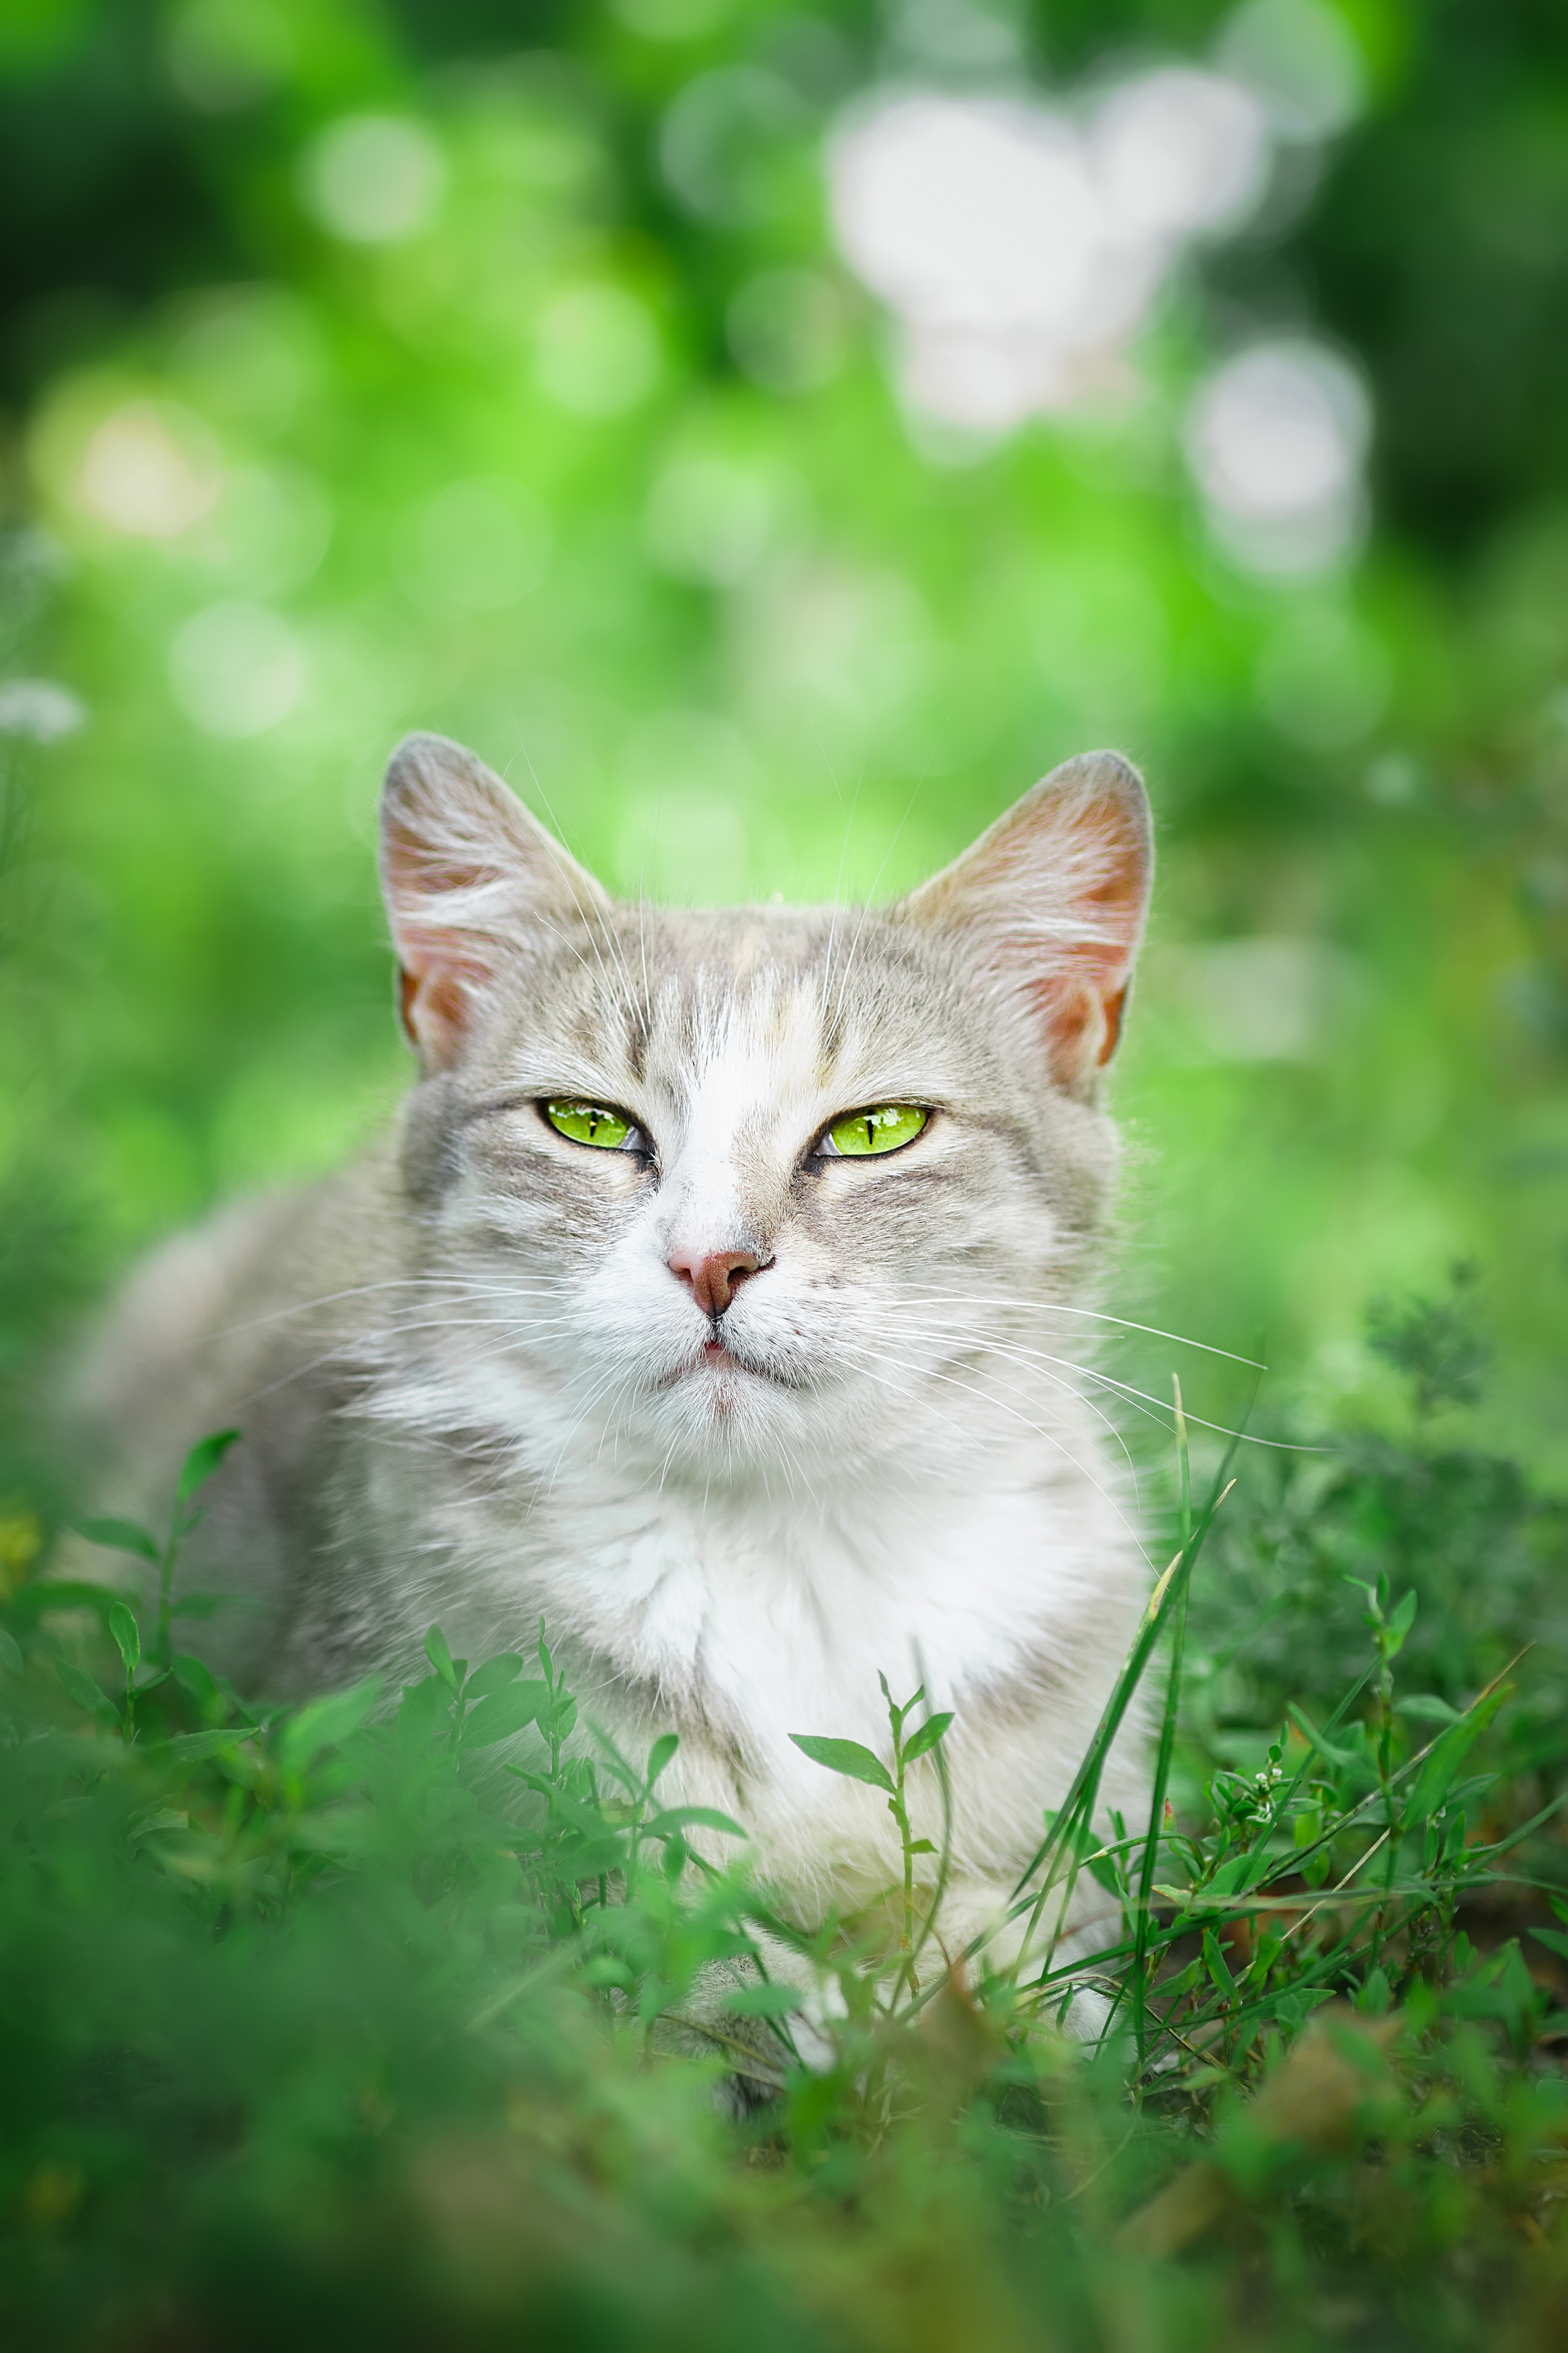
(753, 1193)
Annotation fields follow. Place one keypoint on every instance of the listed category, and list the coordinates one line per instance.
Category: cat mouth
(719, 1359)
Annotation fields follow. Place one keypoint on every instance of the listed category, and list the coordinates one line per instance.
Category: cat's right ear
(468, 878)
(1050, 906)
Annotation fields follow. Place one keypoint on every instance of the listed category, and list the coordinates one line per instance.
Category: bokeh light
(1301, 61)
(1276, 438)
(40, 708)
(372, 179)
(1021, 247)
(236, 668)
(598, 350)
(151, 470)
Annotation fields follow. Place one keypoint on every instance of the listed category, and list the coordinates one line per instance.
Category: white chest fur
(788, 1612)
(769, 1617)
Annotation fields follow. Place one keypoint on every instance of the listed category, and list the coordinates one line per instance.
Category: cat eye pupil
(880, 1127)
(588, 1122)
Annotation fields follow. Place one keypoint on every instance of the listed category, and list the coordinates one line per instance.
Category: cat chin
(733, 1404)
(737, 1430)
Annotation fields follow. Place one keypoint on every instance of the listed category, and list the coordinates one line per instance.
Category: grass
(315, 2026)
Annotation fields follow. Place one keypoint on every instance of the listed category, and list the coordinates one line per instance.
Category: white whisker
(1060, 1307)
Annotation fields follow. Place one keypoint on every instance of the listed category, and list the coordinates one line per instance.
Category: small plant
(1434, 1342)
(204, 1459)
(856, 1763)
(145, 1666)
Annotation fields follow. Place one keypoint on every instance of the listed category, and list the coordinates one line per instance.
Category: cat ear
(468, 878)
(1051, 901)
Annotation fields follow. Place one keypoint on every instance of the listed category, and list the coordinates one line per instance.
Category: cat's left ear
(470, 882)
(1051, 901)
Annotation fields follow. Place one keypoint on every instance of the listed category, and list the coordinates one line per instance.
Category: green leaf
(933, 1729)
(897, 1715)
(85, 1693)
(493, 1677)
(608, 1968)
(192, 1747)
(11, 1657)
(765, 2000)
(1239, 1873)
(120, 1536)
(44, 1597)
(422, 1712)
(503, 1713)
(156, 1819)
(1423, 1707)
(1471, 1791)
(1375, 1997)
(1441, 1768)
(202, 1461)
(846, 1757)
(1101, 1868)
(326, 1724)
(676, 1818)
(1400, 1624)
(1553, 1939)
(194, 1676)
(440, 1657)
(660, 1755)
(1214, 1962)
(1353, 1754)
(127, 1635)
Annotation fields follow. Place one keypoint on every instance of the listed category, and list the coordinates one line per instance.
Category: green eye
(883, 1128)
(587, 1123)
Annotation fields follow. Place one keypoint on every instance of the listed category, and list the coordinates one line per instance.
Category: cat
(716, 1297)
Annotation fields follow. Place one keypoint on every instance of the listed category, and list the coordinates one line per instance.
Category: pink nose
(714, 1277)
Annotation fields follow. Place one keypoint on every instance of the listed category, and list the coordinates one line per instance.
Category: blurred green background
(771, 437)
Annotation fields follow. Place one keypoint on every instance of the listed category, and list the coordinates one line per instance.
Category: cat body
(748, 1420)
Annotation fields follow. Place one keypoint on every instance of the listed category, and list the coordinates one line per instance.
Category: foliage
(1435, 1342)
(311, 2029)
(1455, 1526)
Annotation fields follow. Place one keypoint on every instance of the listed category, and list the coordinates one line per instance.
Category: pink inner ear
(441, 962)
(468, 879)
(1051, 900)
(1079, 992)
(1114, 1008)
(1082, 1024)
(432, 1006)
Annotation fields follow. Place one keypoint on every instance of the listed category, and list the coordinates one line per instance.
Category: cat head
(758, 1188)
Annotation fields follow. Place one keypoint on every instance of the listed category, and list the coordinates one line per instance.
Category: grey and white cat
(716, 1298)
